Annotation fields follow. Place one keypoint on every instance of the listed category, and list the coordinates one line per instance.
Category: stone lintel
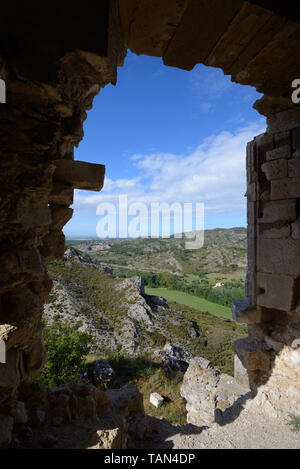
(79, 174)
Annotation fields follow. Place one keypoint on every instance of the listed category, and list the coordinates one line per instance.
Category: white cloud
(213, 173)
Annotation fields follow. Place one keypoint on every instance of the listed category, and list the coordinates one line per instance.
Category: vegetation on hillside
(223, 251)
(67, 349)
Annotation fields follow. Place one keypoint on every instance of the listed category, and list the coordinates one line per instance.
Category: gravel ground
(248, 431)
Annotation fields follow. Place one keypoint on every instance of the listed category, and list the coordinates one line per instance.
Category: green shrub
(66, 349)
(295, 423)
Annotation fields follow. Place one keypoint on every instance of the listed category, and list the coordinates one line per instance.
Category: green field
(191, 301)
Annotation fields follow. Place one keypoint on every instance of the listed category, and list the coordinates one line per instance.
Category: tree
(66, 348)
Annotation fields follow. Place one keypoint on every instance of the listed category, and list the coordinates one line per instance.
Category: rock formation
(210, 395)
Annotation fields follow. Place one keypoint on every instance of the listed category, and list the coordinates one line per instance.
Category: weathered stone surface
(238, 36)
(199, 389)
(282, 121)
(252, 355)
(274, 231)
(296, 229)
(12, 371)
(100, 373)
(279, 153)
(296, 138)
(288, 188)
(245, 313)
(19, 412)
(108, 439)
(53, 246)
(31, 214)
(60, 215)
(281, 211)
(240, 373)
(294, 168)
(6, 427)
(278, 256)
(156, 399)
(146, 33)
(62, 194)
(79, 174)
(273, 344)
(276, 169)
(209, 395)
(277, 291)
(252, 192)
(193, 42)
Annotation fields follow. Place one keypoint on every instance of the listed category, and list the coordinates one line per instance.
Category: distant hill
(224, 251)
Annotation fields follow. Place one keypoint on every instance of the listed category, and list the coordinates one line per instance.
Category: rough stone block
(276, 169)
(288, 188)
(62, 194)
(10, 375)
(281, 211)
(274, 231)
(156, 400)
(282, 138)
(31, 214)
(60, 216)
(53, 246)
(264, 142)
(19, 412)
(2, 351)
(278, 256)
(244, 313)
(146, 33)
(6, 428)
(273, 344)
(277, 291)
(30, 261)
(294, 168)
(296, 138)
(252, 355)
(79, 174)
(240, 373)
(296, 229)
(279, 153)
(251, 192)
(282, 121)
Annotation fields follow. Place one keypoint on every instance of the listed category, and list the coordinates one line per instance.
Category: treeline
(232, 290)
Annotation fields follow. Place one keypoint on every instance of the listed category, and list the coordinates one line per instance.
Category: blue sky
(168, 135)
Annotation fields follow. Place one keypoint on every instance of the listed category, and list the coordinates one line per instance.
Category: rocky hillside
(120, 317)
(223, 251)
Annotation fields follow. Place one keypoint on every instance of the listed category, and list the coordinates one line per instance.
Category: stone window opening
(47, 72)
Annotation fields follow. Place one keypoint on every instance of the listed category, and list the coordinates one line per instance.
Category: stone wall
(52, 75)
(74, 416)
(272, 310)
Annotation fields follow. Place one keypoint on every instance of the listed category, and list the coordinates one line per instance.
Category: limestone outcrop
(210, 395)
